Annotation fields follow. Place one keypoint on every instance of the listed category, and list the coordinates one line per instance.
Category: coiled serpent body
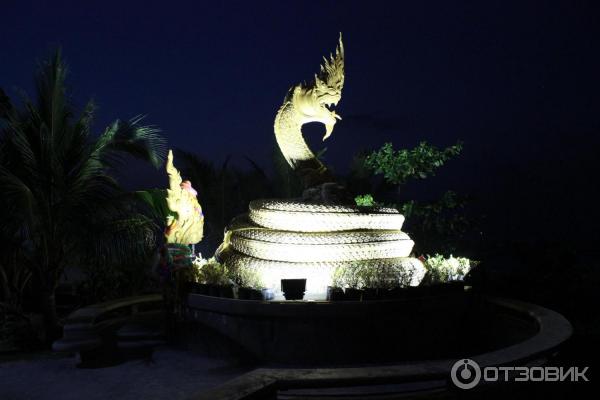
(296, 240)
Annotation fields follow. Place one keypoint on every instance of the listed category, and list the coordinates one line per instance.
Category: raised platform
(510, 333)
(451, 325)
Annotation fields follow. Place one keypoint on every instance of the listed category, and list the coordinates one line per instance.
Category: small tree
(397, 167)
(435, 225)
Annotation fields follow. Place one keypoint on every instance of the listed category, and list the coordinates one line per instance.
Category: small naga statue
(178, 207)
(309, 102)
(185, 222)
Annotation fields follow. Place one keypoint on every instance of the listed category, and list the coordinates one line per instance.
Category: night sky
(518, 83)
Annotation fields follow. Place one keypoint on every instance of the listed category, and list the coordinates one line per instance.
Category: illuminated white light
(321, 275)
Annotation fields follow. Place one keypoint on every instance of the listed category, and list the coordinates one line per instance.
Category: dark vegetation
(60, 205)
(61, 208)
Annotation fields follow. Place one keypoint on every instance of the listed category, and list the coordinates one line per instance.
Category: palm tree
(59, 203)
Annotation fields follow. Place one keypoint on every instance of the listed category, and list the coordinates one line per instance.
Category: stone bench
(132, 321)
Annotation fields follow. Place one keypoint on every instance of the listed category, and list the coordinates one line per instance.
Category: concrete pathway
(170, 374)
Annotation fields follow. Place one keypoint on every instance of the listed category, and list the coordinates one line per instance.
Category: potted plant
(445, 275)
(214, 275)
(368, 278)
(335, 293)
(350, 275)
(248, 283)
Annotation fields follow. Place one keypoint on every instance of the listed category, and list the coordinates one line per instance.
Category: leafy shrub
(365, 200)
(210, 272)
(441, 269)
(361, 276)
(399, 166)
(247, 278)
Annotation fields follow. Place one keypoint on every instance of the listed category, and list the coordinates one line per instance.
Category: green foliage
(399, 166)
(437, 225)
(156, 200)
(212, 272)
(17, 332)
(361, 276)
(365, 200)
(111, 281)
(15, 273)
(59, 201)
(247, 278)
(441, 269)
(434, 226)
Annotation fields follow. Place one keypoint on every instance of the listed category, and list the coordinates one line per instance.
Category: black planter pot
(249, 294)
(226, 291)
(244, 293)
(456, 286)
(200, 288)
(335, 293)
(293, 289)
(213, 290)
(255, 294)
(370, 294)
(387, 294)
(186, 287)
(438, 288)
(417, 291)
(352, 294)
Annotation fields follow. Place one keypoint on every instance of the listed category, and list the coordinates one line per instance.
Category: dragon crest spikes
(332, 70)
(310, 102)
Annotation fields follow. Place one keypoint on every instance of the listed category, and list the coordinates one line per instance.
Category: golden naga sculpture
(306, 103)
(185, 222)
(313, 237)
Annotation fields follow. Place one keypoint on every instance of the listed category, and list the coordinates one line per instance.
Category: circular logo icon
(465, 374)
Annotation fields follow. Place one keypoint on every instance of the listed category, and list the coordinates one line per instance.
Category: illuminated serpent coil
(297, 239)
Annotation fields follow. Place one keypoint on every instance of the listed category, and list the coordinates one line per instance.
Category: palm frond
(129, 137)
(52, 101)
(6, 107)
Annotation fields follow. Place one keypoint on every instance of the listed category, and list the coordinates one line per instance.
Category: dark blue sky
(517, 82)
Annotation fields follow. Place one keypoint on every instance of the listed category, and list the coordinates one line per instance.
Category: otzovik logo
(465, 374)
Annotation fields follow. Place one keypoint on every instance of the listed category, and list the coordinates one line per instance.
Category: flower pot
(244, 293)
(352, 294)
(226, 291)
(249, 294)
(335, 293)
(293, 289)
(370, 294)
(200, 288)
(418, 291)
(213, 290)
(456, 286)
(186, 287)
(393, 293)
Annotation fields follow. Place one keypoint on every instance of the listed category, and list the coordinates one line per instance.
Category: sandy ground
(170, 374)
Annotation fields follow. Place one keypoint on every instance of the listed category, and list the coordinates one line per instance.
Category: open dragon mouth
(330, 105)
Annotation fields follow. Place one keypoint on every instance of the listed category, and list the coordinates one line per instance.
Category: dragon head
(329, 83)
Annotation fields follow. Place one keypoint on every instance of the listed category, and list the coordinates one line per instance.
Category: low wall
(549, 328)
(334, 333)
